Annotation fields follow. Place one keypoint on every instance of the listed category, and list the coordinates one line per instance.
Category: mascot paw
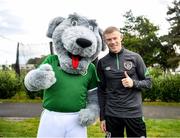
(86, 117)
(41, 78)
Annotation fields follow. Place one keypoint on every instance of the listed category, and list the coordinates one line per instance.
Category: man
(122, 75)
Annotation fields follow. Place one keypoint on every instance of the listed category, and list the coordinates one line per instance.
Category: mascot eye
(91, 28)
(74, 23)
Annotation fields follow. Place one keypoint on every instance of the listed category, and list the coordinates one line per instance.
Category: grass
(25, 128)
(28, 128)
(38, 100)
(22, 97)
(162, 103)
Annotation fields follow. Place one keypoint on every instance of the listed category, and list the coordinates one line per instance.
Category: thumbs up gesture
(127, 81)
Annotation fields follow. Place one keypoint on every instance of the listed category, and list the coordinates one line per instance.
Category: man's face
(113, 41)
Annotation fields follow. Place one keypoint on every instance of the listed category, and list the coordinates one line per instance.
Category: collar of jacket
(114, 54)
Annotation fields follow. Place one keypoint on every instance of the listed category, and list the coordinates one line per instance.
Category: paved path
(169, 112)
(34, 110)
(20, 109)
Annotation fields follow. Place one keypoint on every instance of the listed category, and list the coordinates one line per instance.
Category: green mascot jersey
(69, 93)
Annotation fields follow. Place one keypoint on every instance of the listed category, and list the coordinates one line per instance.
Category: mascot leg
(56, 124)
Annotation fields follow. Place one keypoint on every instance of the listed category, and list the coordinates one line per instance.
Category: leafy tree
(167, 57)
(36, 60)
(140, 36)
(174, 20)
(129, 23)
(172, 40)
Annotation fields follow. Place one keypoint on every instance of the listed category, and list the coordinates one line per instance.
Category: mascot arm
(40, 78)
(90, 114)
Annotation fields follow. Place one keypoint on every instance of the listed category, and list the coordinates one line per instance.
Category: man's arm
(101, 90)
(143, 74)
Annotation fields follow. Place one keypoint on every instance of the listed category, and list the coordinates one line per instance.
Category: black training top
(114, 99)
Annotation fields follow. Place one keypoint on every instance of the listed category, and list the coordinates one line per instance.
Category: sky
(26, 21)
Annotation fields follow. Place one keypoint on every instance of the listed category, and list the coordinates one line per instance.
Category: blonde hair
(111, 29)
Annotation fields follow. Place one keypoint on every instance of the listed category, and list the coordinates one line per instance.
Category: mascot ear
(103, 42)
(53, 24)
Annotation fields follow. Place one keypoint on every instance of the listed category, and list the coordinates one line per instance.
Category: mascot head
(77, 41)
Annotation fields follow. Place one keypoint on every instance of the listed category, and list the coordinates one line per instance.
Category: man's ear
(103, 42)
(53, 24)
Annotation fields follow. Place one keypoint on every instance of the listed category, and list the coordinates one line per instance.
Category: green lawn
(22, 97)
(28, 128)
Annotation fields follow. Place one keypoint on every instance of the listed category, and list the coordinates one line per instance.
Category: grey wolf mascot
(68, 78)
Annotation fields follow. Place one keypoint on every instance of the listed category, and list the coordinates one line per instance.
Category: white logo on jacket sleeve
(108, 68)
(128, 65)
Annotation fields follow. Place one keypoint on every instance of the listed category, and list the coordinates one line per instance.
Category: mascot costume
(68, 78)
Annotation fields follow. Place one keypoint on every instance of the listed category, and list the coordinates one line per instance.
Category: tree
(140, 36)
(172, 40)
(36, 60)
(129, 23)
(174, 20)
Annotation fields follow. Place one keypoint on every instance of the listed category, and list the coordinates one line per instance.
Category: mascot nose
(83, 42)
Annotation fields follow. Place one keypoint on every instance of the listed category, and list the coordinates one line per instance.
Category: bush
(153, 93)
(34, 95)
(155, 72)
(164, 88)
(170, 88)
(9, 84)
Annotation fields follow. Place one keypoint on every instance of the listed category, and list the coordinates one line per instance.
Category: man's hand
(127, 81)
(103, 126)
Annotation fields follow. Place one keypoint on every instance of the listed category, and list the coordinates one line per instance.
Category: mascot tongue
(75, 61)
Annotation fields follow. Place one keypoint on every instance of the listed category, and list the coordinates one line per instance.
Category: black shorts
(135, 127)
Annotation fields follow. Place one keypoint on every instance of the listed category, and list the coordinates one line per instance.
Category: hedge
(165, 88)
(9, 84)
